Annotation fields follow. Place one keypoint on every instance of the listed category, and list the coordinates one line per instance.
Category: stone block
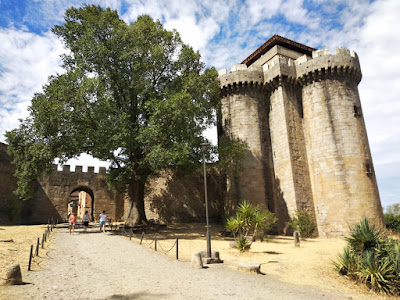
(197, 262)
(214, 259)
(250, 267)
(13, 275)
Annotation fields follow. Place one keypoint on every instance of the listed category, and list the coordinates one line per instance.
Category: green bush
(371, 258)
(303, 222)
(11, 208)
(249, 220)
(392, 221)
(242, 244)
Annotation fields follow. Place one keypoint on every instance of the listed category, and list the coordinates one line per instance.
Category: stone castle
(299, 112)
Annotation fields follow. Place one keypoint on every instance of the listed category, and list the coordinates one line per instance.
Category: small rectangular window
(357, 111)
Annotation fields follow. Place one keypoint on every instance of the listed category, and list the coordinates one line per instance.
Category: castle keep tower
(299, 112)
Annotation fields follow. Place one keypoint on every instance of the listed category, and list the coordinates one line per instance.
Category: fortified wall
(170, 197)
(299, 112)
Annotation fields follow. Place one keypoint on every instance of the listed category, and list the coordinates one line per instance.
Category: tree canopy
(133, 94)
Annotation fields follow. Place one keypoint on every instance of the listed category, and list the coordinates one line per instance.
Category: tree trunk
(136, 213)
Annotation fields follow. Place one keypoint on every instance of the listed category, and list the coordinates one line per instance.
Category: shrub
(303, 222)
(11, 208)
(371, 258)
(242, 244)
(392, 221)
(248, 220)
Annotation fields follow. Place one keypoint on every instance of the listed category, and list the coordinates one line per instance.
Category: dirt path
(105, 266)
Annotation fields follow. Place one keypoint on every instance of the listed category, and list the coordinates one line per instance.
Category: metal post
(42, 240)
(177, 249)
(130, 235)
(203, 149)
(155, 242)
(37, 247)
(141, 239)
(30, 258)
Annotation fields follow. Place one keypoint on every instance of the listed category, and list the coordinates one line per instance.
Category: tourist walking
(85, 219)
(72, 221)
(103, 219)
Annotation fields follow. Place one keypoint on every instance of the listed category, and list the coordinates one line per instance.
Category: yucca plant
(249, 219)
(363, 236)
(371, 258)
(346, 262)
(242, 244)
(263, 220)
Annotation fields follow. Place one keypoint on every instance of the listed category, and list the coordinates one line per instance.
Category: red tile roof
(277, 40)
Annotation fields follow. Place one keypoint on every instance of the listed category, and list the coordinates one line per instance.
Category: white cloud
(225, 32)
(26, 61)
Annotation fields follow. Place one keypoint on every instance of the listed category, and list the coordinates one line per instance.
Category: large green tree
(133, 94)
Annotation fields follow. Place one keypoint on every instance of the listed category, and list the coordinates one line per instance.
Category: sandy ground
(18, 250)
(108, 266)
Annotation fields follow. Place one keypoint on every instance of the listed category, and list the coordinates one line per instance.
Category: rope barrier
(166, 251)
(45, 235)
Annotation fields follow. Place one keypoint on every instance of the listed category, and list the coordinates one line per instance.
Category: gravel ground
(105, 266)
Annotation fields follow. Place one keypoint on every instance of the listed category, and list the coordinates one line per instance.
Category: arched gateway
(52, 197)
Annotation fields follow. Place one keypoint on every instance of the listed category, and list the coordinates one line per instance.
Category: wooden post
(30, 258)
(177, 249)
(43, 241)
(296, 236)
(130, 234)
(155, 242)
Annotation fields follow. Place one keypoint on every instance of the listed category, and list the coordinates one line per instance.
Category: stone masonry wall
(240, 109)
(320, 152)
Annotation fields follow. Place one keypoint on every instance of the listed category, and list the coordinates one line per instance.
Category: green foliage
(392, 221)
(242, 244)
(393, 209)
(11, 208)
(249, 219)
(363, 237)
(133, 94)
(231, 155)
(371, 258)
(303, 222)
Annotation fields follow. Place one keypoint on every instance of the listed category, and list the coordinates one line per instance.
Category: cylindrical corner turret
(242, 109)
(343, 183)
(323, 64)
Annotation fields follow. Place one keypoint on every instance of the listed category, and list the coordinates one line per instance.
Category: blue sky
(226, 32)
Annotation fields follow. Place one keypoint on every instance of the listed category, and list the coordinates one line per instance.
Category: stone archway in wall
(81, 199)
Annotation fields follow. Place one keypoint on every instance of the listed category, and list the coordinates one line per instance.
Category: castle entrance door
(81, 200)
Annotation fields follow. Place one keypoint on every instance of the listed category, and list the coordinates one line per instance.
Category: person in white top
(85, 219)
(103, 219)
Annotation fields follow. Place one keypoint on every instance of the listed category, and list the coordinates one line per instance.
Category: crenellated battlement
(344, 63)
(303, 70)
(79, 169)
(241, 76)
